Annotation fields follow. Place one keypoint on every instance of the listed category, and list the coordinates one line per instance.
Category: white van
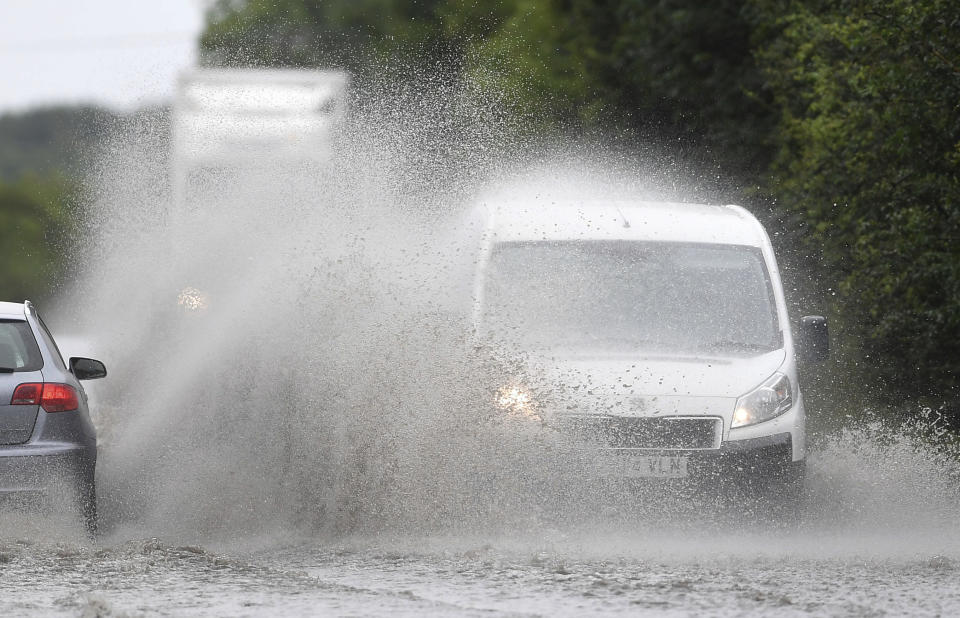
(663, 326)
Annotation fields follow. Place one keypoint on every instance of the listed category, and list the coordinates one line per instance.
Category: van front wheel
(783, 492)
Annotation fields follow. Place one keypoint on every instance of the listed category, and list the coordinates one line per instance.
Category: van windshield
(627, 295)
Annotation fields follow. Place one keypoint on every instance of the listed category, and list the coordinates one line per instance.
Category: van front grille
(663, 433)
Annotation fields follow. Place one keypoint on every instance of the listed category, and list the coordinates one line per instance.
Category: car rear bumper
(37, 467)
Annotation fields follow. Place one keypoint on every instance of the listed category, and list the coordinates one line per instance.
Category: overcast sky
(119, 53)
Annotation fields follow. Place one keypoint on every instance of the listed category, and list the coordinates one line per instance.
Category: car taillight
(49, 396)
(59, 398)
(27, 395)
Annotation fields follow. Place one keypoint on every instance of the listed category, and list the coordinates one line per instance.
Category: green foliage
(35, 226)
(40, 152)
(527, 57)
(677, 73)
(50, 140)
(349, 33)
(868, 164)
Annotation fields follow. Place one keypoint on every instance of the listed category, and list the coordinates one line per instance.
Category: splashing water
(295, 358)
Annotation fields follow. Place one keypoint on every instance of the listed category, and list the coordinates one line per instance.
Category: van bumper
(758, 464)
(755, 462)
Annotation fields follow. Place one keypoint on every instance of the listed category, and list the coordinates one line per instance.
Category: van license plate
(650, 466)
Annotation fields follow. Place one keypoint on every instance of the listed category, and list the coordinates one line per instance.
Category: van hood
(652, 384)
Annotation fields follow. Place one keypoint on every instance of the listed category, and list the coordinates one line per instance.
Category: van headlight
(517, 400)
(769, 400)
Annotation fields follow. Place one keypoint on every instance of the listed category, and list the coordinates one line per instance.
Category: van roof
(12, 311)
(261, 76)
(625, 220)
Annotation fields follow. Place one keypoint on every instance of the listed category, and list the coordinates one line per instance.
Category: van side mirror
(814, 338)
(87, 368)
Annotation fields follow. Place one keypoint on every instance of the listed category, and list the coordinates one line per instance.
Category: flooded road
(565, 576)
(876, 537)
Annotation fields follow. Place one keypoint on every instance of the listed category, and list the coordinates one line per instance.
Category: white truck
(240, 139)
(237, 119)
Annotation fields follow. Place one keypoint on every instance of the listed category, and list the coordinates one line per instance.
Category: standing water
(298, 419)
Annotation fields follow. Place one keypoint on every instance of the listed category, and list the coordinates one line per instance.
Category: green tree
(354, 34)
(869, 148)
(35, 227)
(678, 74)
(51, 140)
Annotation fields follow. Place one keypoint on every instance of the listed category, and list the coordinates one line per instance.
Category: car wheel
(783, 494)
(770, 494)
(87, 503)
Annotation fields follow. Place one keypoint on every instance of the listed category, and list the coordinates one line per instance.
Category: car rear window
(18, 347)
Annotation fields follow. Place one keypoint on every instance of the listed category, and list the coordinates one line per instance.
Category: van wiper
(738, 345)
(623, 341)
(7, 369)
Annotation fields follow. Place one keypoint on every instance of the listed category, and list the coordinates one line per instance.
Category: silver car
(48, 446)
